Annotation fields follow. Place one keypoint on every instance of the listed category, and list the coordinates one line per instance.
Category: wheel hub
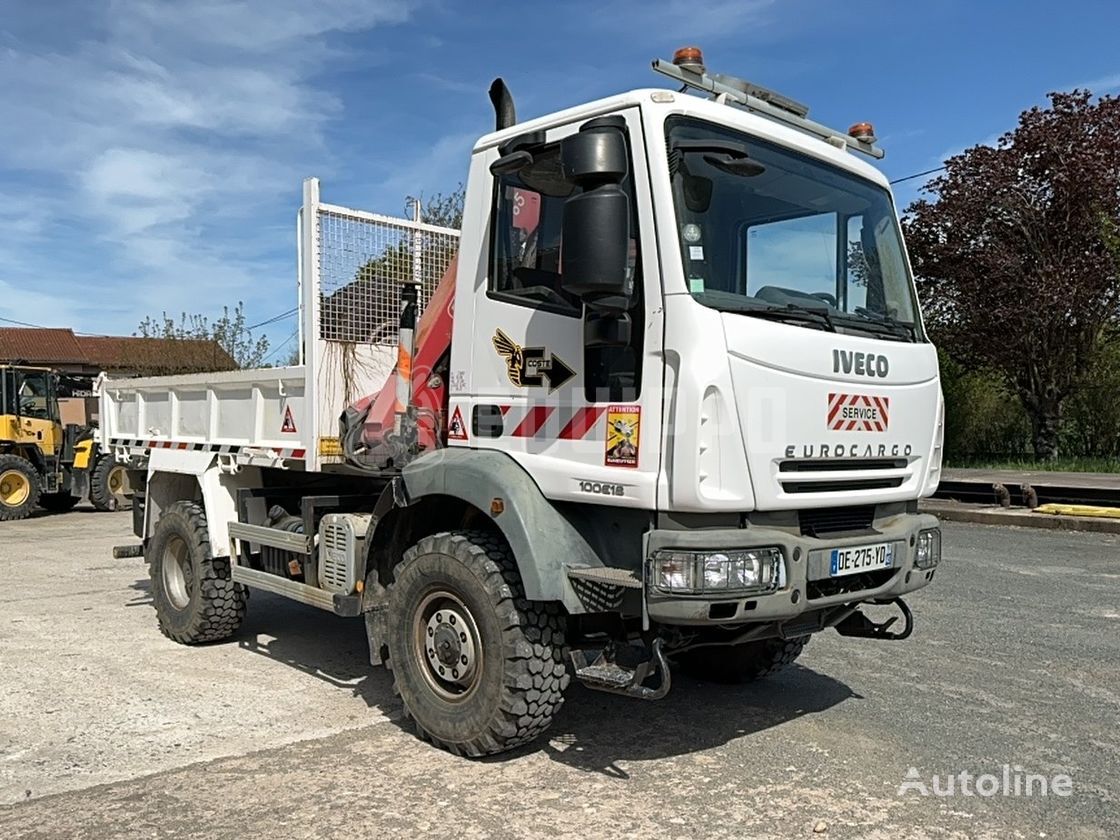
(449, 645)
(14, 488)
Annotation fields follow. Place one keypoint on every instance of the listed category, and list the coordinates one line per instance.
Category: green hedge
(985, 421)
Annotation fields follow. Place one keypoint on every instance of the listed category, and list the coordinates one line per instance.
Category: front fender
(543, 541)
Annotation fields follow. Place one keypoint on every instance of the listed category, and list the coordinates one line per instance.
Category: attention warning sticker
(624, 426)
(456, 429)
(289, 427)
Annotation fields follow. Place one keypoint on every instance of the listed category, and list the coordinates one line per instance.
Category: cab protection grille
(820, 522)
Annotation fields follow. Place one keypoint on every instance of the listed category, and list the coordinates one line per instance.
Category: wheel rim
(178, 576)
(118, 482)
(447, 645)
(14, 488)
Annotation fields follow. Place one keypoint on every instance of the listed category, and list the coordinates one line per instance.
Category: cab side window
(34, 400)
(525, 258)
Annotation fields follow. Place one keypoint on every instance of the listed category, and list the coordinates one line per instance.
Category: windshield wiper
(790, 313)
(866, 318)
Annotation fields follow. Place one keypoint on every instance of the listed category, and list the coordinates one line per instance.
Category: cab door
(583, 421)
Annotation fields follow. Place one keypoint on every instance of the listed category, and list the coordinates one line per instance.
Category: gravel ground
(107, 729)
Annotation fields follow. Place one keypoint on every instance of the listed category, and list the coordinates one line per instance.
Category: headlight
(929, 549)
(718, 572)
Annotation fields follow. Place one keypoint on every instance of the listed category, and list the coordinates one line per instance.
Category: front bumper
(808, 588)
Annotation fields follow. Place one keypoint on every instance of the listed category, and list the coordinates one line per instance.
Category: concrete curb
(1020, 517)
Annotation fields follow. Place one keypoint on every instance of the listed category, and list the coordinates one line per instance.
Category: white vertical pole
(309, 317)
(417, 245)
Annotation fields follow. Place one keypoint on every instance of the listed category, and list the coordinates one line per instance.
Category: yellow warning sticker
(624, 425)
(330, 447)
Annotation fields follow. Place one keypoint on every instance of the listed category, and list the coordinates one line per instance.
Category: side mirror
(596, 225)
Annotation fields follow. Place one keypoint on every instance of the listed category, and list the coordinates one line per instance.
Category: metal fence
(363, 259)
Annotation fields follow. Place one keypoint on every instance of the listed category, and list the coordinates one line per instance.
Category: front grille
(851, 583)
(835, 464)
(825, 521)
(841, 486)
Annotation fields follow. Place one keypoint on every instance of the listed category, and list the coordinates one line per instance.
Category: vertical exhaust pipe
(504, 113)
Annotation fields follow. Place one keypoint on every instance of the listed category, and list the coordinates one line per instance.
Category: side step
(339, 604)
(608, 575)
(606, 674)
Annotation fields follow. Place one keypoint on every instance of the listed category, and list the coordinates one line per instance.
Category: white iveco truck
(672, 405)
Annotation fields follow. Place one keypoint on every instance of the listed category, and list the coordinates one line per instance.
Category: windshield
(769, 232)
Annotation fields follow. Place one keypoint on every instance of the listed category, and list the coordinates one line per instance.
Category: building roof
(114, 354)
(156, 355)
(40, 346)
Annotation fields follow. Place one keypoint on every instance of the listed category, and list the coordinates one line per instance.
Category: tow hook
(857, 624)
(606, 673)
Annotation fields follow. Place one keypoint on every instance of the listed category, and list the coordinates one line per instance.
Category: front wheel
(750, 661)
(478, 667)
(19, 487)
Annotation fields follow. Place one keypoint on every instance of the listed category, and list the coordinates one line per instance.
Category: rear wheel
(742, 663)
(194, 594)
(109, 488)
(58, 502)
(478, 667)
(20, 487)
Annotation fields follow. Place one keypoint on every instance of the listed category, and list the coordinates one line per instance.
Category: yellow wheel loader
(43, 463)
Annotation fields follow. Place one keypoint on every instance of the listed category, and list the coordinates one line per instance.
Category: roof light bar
(765, 102)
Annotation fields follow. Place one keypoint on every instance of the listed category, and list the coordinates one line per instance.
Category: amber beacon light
(863, 131)
(689, 58)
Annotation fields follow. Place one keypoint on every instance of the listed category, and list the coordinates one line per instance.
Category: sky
(152, 153)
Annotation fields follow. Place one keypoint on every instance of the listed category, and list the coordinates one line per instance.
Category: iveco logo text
(861, 364)
(600, 488)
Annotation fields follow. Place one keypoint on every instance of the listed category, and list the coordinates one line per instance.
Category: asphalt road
(109, 730)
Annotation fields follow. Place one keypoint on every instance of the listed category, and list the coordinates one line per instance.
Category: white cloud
(155, 144)
(1105, 84)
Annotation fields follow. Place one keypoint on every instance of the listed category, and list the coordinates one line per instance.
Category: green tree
(1016, 253)
(229, 330)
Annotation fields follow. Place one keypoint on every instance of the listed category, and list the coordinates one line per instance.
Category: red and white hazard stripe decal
(858, 412)
(547, 422)
(222, 449)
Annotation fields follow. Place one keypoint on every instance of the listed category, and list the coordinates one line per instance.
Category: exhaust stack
(504, 113)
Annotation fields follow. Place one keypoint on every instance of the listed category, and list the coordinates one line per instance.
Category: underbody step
(626, 578)
(605, 674)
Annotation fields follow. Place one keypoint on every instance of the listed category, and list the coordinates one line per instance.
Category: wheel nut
(463, 659)
(463, 638)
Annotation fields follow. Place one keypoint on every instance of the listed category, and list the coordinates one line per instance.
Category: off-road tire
(25, 506)
(734, 664)
(101, 493)
(522, 675)
(214, 605)
(58, 502)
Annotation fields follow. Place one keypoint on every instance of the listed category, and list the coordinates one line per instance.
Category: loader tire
(734, 664)
(20, 488)
(108, 485)
(479, 668)
(58, 502)
(193, 592)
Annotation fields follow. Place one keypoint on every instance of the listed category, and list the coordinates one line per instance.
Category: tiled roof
(40, 346)
(152, 356)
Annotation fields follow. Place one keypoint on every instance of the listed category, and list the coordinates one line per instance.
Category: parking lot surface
(107, 729)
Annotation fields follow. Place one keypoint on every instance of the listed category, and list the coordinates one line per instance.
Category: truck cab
(760, 383)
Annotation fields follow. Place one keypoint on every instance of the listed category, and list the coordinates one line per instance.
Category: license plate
(860, 558)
